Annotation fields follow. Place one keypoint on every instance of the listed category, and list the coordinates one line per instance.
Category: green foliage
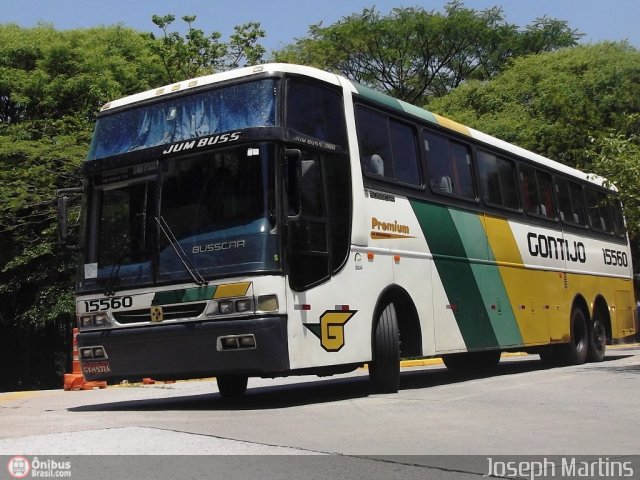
(617, 158)
(580, 106)
(195, 54)
(52, 84)
(30, 260)
(413, 54)
(46, 73)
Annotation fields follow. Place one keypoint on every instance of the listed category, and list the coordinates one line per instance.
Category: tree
(579, 106)
(413, 54)
(196, 54)
(52, 84)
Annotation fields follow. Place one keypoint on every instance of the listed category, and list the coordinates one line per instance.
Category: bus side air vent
(170, 312)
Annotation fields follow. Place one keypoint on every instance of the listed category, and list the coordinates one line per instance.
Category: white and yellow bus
(280, 220)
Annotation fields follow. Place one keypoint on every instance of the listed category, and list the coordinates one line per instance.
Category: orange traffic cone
(75, 379)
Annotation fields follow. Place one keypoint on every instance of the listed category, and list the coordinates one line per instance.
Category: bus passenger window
(373, 138)
(405, 154)
(577, 202)
(536, 192)
(546, 193)
(387, 147)
(449, 166)
(599, 212)
(497, 180)
(570, 202)
(618, 219)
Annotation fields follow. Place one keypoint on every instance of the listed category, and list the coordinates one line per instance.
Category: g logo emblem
(330, 331)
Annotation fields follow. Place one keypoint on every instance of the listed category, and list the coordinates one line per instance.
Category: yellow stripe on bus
(458, 127)
(232, 290)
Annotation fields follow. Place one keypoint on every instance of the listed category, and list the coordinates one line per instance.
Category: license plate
(94, 368)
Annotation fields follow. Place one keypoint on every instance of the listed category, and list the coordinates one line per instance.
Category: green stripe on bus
(395, 104)
(183, 295)
(487, 276)
(456, 273)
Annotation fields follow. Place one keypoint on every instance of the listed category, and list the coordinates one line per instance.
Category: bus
(281, 220)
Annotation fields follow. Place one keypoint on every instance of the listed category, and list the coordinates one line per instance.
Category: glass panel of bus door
(307, 244)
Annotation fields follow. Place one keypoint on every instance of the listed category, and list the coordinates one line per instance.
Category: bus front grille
(171, 312)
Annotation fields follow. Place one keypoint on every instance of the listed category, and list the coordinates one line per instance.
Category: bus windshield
(211, 215)
(245, 105)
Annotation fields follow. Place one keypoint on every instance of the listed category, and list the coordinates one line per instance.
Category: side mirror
(64, 197)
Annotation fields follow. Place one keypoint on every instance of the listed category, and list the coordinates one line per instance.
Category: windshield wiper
(110, 289)
(188, 266)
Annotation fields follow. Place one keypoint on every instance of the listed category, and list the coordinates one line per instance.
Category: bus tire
(575, 352)
(232, 386)
(384, 370)
(597, 340)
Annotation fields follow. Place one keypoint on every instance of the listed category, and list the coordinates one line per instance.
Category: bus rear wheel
(384, 370)
(575, 352)
(232, 386)
(597, 340)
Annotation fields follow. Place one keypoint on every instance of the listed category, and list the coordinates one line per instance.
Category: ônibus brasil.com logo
(20, 467)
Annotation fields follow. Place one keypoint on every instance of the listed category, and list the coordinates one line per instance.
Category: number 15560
(97, 305)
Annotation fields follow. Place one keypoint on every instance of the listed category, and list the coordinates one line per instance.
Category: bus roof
(221, 77)
(400, 106)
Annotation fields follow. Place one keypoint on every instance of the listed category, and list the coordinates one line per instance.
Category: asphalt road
(520, 409)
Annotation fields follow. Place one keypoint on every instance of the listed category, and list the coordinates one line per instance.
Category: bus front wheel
(384, 370)
(232, 386)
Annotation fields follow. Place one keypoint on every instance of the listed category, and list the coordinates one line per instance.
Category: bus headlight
(225, 307)
(96, 320)
(86, 321)
(268, 303)
(243, 305)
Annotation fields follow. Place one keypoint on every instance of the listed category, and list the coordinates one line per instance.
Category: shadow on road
(331, 389)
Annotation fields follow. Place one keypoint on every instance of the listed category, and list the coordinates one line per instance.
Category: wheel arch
(580, 302)
(407, 317)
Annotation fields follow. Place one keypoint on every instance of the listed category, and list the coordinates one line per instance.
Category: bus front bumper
(199, 349)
